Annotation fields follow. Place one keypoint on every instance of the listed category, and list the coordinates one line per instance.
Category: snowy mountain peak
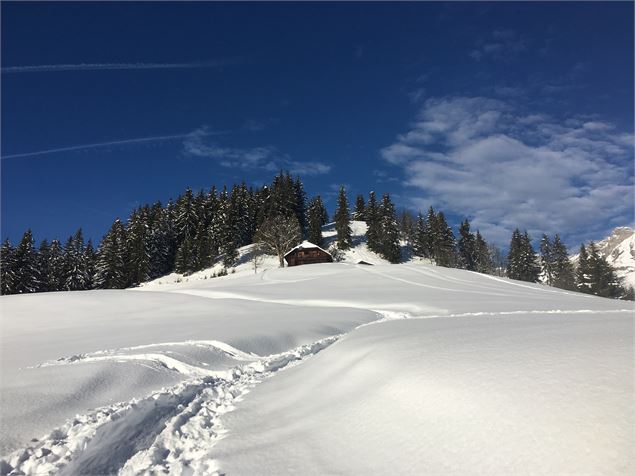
(619, 249)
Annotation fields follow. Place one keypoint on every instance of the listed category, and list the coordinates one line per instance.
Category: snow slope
(327, 368)
(619, 249)
(522, 394)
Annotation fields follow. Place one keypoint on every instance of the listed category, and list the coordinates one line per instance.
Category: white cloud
(480, 158)
(198, 144)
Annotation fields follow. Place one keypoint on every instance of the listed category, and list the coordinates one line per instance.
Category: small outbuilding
(307, 253)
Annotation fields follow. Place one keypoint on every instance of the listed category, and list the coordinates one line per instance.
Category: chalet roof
(304, 246)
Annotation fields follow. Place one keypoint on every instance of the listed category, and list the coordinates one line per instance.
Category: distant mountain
(619, 249)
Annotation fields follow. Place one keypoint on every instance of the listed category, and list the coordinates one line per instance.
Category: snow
(318, 369)
(476, 395)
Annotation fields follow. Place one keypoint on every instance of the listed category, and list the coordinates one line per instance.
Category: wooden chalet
(307, 253)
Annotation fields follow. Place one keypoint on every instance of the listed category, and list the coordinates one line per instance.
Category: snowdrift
(327, 368)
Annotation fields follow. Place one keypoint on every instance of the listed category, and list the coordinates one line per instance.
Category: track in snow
(171, 430)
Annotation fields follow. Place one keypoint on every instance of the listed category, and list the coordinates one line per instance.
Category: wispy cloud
(501, 44)
(97, 145)
(482, 158)
(197, 144)
(52, 68)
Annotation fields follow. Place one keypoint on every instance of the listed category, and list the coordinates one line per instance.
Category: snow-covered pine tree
(317, 218)
(467, 247)
(343, 221)
(228, 230)
(186, 219)
(388, 231)
(483, 259)
(407, 225)
(546, 260)
(444, 242)
(300, 205)
(7, 268)
(26, 266)
(583, 272)
(90, 259)
(157, 243)
(184, 262)
(514, 256)
(110, 268)
(431, 235)
(420, 241)
(43, 262)
(604, 280)
(360, 209)
(138, 247)
(202, 252)
(75, 273)
(372, 222)
(55, 266)
(246, 214)
(563, 274)
(530, 271)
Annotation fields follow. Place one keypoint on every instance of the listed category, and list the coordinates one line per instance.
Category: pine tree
(186, 219)
(420, 241)
(317, 218)
(90, 259)
(583, 272)
(184, 262)
(25, 262)
(343, 222)
(7, 268)
(562, 269)
(546, 260)
(407, 226)
(604, 280)
(228, 231)
(467, 247)
(55, 266)
(43, 265)
(138, 247)
(360, 209)
(75, 272)
(110, 267)
(388, 231)
(483, 258)
(300, 205)
(372, 222)
(521, 261)
(431, 227)
(443, 241)
(530, 271)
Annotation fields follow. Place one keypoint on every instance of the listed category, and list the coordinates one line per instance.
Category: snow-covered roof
(305, 245)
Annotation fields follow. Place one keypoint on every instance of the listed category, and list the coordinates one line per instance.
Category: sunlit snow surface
(322, 369)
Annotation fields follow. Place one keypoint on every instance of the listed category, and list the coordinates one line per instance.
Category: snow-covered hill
(619, 249)
(245, 265)
(320, 369)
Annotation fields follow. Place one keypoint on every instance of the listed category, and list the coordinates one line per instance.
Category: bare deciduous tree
(278, 234)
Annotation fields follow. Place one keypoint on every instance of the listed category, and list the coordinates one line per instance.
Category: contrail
(140, 140)
(45, 68)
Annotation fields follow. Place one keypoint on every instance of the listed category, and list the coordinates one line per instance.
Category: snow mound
(525, 394)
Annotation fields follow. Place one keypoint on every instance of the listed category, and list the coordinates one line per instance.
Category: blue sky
(510, 114)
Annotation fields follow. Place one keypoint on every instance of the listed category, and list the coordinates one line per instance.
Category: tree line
(198, 230)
